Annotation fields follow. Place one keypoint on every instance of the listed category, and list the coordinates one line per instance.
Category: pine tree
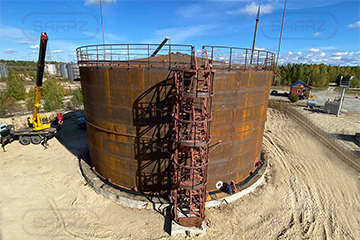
(15, 86)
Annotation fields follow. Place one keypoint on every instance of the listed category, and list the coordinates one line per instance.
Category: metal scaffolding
(192, 136)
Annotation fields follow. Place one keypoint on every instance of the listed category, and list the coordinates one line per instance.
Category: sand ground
(342, 128)
(309, 193)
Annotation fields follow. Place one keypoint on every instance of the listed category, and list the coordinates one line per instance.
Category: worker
(234, 188)
(229, 188)
(356, 95)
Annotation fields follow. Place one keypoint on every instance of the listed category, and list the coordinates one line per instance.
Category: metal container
(3, 70)
(63, 71)
(128, 105)
(311, 103)
(73, 71)
(51, 69)
(331, 107)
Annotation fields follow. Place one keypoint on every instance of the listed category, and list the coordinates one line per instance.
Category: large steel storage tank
(128, 100)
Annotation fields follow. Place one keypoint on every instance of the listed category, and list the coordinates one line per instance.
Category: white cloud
(314, 50)
(354, 25)
(97, 2)
(336, 57)
(34, 47)
(23, 42)
(10, 32)
(317, 56)
(259, 48)
(317, 34)
(34, 51)
(252, 9)
(10, 51)
(57, 51)
(341, 53)
(330, 48)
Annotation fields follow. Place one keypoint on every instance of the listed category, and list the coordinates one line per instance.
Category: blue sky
(315, 31)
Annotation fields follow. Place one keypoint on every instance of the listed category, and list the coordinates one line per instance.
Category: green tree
(355, 83)
(30, 97)
(15, 86)
(8, 104)
(323, 77)
(3, 97)
(53, 95)
(293, 98)
(78, 96)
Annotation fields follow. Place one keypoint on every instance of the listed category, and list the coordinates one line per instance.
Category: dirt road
(309, 193)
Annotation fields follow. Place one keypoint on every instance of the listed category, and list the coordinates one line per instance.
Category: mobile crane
(39, 128)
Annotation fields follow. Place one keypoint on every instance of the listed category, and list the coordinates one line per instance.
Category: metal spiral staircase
(192, 136)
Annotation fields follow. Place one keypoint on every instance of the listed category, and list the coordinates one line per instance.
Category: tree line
(14, 98)
(317, 75)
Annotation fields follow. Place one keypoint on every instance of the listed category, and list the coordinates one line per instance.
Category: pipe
(254, 41)
(281, 33)
(160, 46)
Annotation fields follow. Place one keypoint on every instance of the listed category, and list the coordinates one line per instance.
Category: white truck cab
(2, 127)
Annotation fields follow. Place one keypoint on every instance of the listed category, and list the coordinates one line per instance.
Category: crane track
(329, 141)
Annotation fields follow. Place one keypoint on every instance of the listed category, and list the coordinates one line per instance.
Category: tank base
(140, 200)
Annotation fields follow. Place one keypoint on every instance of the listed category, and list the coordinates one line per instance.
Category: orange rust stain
(107, 91)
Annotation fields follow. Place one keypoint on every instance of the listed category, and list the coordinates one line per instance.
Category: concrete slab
(178, 229)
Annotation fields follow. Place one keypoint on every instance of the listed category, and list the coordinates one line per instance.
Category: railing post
(169, 57)
(257, 64)
(246, 53)
(97, 54)
(128, 51)
(111, 56)
(148, 47)
(266, 59)
(212, 54)
(230, 58)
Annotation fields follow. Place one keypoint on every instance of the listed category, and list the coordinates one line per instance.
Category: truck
(39, 128)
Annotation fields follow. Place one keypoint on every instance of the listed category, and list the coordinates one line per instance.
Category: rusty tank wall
(239, 105)
(130, 141)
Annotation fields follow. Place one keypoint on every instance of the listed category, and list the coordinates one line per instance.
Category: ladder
(192, 116)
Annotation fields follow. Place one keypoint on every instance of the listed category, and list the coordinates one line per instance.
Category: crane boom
(37, 122)
(41, 62)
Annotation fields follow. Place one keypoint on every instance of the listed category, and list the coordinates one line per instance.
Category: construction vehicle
(39, 128)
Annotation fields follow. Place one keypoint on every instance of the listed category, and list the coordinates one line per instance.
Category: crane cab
(41, 123)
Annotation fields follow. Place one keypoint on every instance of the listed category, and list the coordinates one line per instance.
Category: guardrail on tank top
(174, 56)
